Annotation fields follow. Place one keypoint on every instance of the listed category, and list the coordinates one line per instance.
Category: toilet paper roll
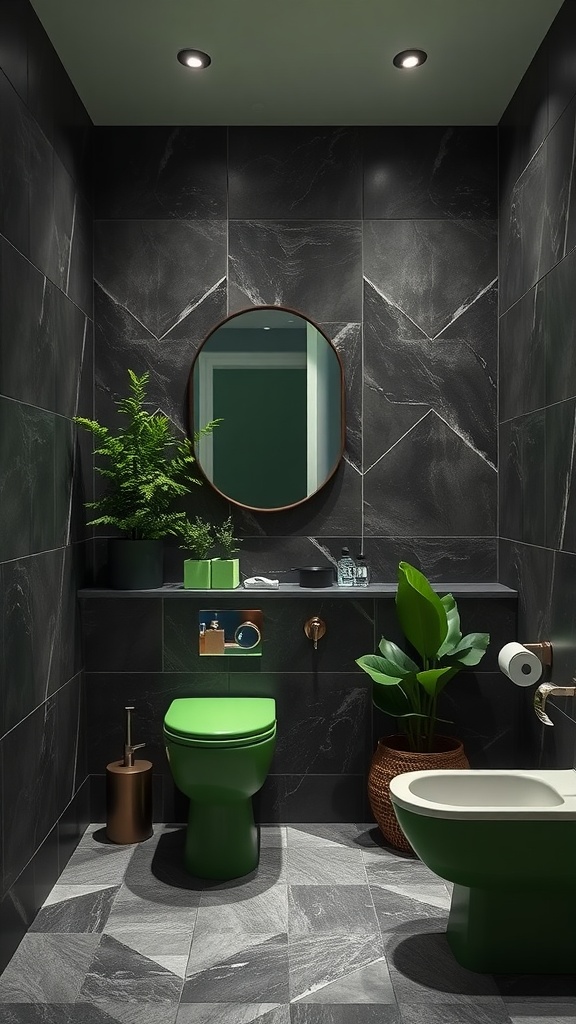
(520, 665)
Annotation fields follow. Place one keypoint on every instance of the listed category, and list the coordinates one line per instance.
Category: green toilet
(220, 750)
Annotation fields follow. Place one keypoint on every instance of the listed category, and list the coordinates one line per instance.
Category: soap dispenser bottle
(129, 794)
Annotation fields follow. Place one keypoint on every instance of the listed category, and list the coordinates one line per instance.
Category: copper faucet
(546, 690)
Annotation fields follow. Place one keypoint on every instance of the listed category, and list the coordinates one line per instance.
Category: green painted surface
(225, 573)
(220, 717)
(197, 574)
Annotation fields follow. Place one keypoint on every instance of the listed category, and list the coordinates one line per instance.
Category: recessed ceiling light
(409, 58)
(266, 328)
(194, 58)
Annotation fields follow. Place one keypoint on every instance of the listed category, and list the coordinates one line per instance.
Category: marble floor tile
(310, 1013)
(371, 984)
(75, 911)
(137, 1013)
(526, 987)
(236, 968)
(271, 871)
(423, 970)
(272, 835)
(48, 968)
(60, 1013)
(395, 911)
(331, 835)
(314, 909)
(93, 863)
(265, 911)
(318, 960)
(542, 1013)
(446, 1013)
(146, 921)
(233, 1013)
(121, 974)
(311, 865)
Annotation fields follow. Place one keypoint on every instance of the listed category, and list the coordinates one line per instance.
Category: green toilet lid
(220, 717)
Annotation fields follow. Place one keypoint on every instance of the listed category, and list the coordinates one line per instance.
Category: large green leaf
(420, 611)
(376, 668)
(393, 701)
(471, 648)
(434, 679)
(454, 634)
(399, 662)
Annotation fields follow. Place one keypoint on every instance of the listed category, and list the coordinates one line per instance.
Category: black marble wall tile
(288, 798)
(563, 622)
(70, 743)
(522, 232)
(29, 794)
(73, 823)
(17, 912)
(561, 475)
(529, 570)
(561, 63)
(430, 172)
(160, 173)
(484, 710)
(347, 340)
(14, 158)
(314, 266)
(72, 132)
(158, 271)
(14, 21)
(430, 496)
(523, 328)
(151, 694)
(458, 559)
(79, 282)
(123, 635)
(522, 497)
(559, 331)
(41, 76)
(524, 123)
(294, 172)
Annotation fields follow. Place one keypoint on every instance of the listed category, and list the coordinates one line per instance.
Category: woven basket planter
(392, 758)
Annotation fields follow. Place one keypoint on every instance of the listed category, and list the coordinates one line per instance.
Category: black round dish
(315, 575)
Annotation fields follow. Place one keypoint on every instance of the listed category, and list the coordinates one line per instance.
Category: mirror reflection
(275, 381)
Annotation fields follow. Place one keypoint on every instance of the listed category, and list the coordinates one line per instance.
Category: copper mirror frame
(304, 376)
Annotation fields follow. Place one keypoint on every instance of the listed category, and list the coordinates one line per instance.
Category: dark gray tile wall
(144, 651)
(538, 369)
(46, 371)
(387, 238)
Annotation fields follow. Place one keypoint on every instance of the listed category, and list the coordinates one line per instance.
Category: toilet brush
(129, 794)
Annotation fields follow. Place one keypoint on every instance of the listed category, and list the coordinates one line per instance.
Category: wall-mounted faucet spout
(541, 695)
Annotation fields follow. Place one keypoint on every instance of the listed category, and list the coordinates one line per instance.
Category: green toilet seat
(220, 722)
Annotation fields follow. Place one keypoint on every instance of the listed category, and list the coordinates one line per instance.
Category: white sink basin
(487, 794)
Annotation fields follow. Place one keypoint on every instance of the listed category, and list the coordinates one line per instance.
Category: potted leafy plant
(198, 538)
(408, 689)
(145, 467)
(226, 569)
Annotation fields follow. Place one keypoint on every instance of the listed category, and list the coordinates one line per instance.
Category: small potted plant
(146, 467)
(226, 569)
(409, 691)
(198, 538)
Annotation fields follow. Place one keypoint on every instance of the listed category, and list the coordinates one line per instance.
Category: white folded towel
(261, 583)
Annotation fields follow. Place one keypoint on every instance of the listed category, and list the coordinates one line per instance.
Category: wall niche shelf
(379, 590)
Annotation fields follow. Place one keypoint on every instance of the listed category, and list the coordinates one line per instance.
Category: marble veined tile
(119, 973)
(363, 1013)
(228, 967)
(233, 1013)
(75, 912)
(93, 863)
(48, 969)
(394, 911)
(272, 836)
(146, 920)
(266, 911)
(331, 835)
(466, 1013)
(544, 1013)
(320, 866)
(69, 1013)
(318, 960)
(318, 909)
(423, 970)
(368, 985)
(136, 1013)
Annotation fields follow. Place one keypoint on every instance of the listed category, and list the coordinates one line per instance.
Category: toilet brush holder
(129, 794)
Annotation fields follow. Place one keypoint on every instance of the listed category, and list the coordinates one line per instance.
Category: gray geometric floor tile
(309, 1013)
(455, 1013)
(330, 835)
(138, 1013)
(237, 968)
(271, 870)
(317, 960)
(233, 1013)
(93, 863)
(57, 1013)
(309, 865)
(541, 1012)
(142, 919)
(314, 909)
(48, 968)
(75, 913)
(263, 912)
(394, 911)
(272, 835)
(120, 974)
(423, 969)
(369, 984)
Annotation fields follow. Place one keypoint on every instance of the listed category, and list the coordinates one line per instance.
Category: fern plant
(225, 538)
(146, 468)
(197, 536)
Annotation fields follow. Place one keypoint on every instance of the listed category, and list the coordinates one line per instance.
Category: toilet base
(221, 840)
(502, 931)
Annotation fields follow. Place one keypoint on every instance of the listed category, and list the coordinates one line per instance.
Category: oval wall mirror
(276, 382)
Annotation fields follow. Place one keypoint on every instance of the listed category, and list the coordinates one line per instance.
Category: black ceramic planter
(135, 564)
(316, 575)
